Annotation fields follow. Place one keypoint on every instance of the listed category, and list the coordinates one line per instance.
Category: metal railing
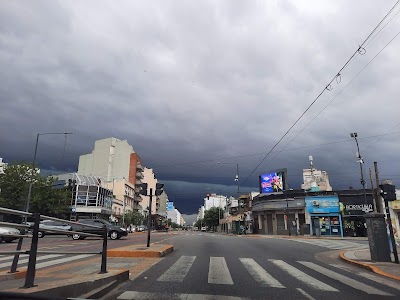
(31, 271)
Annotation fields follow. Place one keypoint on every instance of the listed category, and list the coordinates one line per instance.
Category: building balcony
(139, 166)
(139, 175)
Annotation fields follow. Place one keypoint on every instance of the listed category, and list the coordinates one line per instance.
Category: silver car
(4, 231)
(48, 224)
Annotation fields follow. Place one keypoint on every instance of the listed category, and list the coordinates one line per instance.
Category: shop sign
(395, 204)
(322, 204)
(358, 209)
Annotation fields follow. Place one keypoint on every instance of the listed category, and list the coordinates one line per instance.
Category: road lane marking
(133, 295)
(218, 272)
(11, 257)
(24, 261)
(305, 294)
(259, 274)
(178, 271)
(303, 277)
(345, 280)
(381, 280)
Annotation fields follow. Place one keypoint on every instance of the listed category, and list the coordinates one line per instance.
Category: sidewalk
(348, 238)
(81, 278)
(362, 258)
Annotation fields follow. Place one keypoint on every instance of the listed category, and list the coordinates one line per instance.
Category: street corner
(155, 250)
(389, 270)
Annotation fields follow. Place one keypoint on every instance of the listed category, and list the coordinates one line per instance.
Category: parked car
(114, 232)
(142, 228)
(8, 231)
(203, 228)
(48, 224)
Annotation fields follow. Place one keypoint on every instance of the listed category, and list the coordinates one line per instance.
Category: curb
(367, 266)
(121, 252)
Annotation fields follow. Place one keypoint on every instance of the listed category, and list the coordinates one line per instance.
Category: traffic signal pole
(149, 219)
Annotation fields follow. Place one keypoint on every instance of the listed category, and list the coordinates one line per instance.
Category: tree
(133, 218)
(45, 199)
(198, 223)
(211, 217)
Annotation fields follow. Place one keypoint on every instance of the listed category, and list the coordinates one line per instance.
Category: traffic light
(388, 192)
(143, 190)
(159, 189)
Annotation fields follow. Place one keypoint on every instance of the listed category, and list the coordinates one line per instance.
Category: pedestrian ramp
(42, 261)
(305, 277)
(333, 244)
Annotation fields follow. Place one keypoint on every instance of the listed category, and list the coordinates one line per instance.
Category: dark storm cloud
(199, 81)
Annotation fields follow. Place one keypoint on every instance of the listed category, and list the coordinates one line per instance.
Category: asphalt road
(215, 266)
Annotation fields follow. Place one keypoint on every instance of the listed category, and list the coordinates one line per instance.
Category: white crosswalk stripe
(218, 272)
(312, 275)
(333, 244)
(344, 279)
(49, 260)
(179, 270)
(370, 276)
(303, 277)
(259, 274)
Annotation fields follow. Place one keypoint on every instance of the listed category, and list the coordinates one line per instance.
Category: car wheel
(8, 240)
(76, 237)
(114, 235)
(40, 234)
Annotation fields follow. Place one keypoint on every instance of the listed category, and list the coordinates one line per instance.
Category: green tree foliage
(133, 218)
(45, 199)
(199, 222)
(211, 217)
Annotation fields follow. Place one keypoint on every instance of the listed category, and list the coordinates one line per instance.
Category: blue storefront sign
(325, 218)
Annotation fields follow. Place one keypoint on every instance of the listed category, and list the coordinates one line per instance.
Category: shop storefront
(395, 217)
(353, 207)
(324, 215)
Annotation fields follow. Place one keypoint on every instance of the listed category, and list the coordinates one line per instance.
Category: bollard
(378, 237)
(103, 269)
(30, 273)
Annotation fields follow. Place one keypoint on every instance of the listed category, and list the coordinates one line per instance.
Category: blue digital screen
(272, 182)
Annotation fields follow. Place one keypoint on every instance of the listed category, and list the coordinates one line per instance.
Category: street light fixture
(361, 161)
(28, 199)
(237, 174)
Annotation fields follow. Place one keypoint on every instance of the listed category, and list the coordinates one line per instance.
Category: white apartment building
(150, 179)
(124, 198)
(113, 159)
(315, 180)
(200, 214)
(2, 166)
(214, 200)
(175, 216)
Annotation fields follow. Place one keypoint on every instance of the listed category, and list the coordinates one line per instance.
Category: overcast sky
(191, 83)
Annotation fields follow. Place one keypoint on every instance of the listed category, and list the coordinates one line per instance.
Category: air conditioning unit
(315, 203)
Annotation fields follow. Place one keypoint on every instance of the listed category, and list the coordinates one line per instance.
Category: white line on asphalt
(133, 295)
(305, 294)
(178, 271)
(381, 280)
(218, 272)
(61, 261)
(303, 277)
(259, 274)
(24, 261)
(11, 257)
(345, 280)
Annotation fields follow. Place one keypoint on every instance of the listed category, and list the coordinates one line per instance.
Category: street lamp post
(28, 198)
(361, 161)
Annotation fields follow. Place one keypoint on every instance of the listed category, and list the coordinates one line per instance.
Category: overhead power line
(360, 50)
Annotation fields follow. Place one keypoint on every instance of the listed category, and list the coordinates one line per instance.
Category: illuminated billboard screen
(273, 182)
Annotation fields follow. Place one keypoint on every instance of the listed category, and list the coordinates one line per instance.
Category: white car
(203, 228)
(48, 224)
(8, 231)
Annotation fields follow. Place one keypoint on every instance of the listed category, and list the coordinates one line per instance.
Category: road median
(155, 250)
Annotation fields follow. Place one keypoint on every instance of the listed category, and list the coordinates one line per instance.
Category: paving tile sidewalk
(362, 258)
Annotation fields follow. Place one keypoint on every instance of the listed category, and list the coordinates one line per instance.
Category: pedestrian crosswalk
(333, 244)
(305, 277)
(42, 261)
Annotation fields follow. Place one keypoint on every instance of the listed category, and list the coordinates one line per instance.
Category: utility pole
(378, 196)
(372, 189)
(361, 161)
